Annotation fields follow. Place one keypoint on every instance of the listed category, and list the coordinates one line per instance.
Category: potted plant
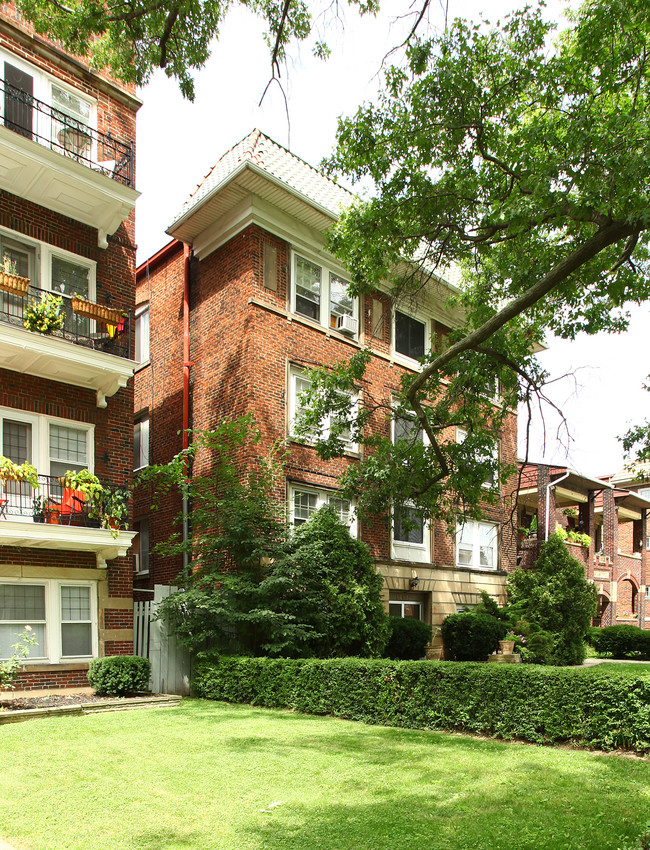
(51, 513)
(82, 307)
(10, 280)
(45, 316)
(507, 645)
(38, 509)
(89, 484)
(10, 471)
(114, 509)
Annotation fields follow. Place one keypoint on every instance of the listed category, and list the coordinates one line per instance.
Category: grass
(210, 775)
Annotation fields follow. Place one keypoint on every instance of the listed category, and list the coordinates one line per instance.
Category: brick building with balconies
(67, 201)
(243, 299)
(605, 526)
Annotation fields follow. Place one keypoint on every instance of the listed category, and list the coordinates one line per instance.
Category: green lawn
(622, 668)
(209, 775)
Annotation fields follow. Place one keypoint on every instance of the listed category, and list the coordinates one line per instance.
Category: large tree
(134, 38)
(521, 156)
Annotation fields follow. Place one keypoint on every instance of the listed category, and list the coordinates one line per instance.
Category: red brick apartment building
(67, 201)
(239, 303)
(613, 518)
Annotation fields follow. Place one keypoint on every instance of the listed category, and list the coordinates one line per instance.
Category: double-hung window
(304, 501)
(322, 295)
(405, 609)
(298, 384)
(61, 615)
(410, 336)
(492, 480)
(141, 442)
(411, 540)
(477, 545)
(142, 333)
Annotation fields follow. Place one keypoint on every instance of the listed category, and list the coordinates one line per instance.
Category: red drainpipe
(187, 364)
(186, 344)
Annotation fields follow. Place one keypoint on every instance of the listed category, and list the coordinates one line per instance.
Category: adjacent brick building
(67, 201)
(613, 519)
(264, 300)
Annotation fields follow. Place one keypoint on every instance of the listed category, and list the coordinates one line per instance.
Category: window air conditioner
(347, 324)
(136, 563)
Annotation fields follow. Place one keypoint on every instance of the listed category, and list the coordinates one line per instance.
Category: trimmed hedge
(538, 704)
(471, 636)
(408, 638)
(119, 675)
(621, 641)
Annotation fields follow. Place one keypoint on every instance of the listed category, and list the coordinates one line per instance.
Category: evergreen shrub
(408, 638)
(532, 703)
(119, 675)
(471, 636)
(621, 641)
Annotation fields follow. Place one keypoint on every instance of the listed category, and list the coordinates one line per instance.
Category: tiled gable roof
(279, 163)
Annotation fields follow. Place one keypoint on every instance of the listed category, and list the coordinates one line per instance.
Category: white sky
(178, 142)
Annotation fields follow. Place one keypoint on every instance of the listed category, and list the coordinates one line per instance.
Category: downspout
(548, 498)
(187, 364)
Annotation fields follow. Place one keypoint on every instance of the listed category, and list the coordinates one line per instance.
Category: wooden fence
(171, 665)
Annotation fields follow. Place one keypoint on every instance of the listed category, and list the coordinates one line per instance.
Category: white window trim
(327, 272)
(43, 90)
(402, 603)
(43, 260)
(296, 372)
(41, 436)
(402, 550)
(411, 362)
(140, 310)
(476, 546)
(53, 618)
(461, 436)
(322, 498)
(139, 420)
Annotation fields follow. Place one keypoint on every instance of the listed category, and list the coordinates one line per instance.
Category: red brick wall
(115, 279)
(242, 342)
(158, 389)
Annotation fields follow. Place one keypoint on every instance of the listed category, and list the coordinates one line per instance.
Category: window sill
(142, 366)
(352, 453)
(42, 666)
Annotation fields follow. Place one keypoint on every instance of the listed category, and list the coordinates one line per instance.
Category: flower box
(13, 283)
(108, 315)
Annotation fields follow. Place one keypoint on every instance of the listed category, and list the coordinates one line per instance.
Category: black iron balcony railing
(25, 114)
(91, 333)
(51, 502)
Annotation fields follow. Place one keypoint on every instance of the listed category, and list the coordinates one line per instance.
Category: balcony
(57, 161)
(85, 352)
(55, 517)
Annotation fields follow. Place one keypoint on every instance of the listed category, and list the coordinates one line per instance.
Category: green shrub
(408, 638)
(119, 675)
(557, 598)
(538, 704)
(621, 641)
(471, 636)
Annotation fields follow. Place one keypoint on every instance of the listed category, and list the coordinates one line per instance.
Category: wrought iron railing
(51, 502)
(25, 114)
(91, 333)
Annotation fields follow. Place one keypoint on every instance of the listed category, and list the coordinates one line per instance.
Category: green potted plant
(10, 471)
(38, 509)
(82, 307)
(89, 484)
(10, 280)
(114, 509)
(45, 316)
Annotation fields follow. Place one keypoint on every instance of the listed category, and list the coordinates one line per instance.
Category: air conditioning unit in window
(136, 563)
(347, 325)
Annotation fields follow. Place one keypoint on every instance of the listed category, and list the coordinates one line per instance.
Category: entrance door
(19, 101)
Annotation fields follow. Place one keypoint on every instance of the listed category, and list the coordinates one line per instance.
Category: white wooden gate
(170, 663)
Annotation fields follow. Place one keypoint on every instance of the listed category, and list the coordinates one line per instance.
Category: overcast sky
(178, 142)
